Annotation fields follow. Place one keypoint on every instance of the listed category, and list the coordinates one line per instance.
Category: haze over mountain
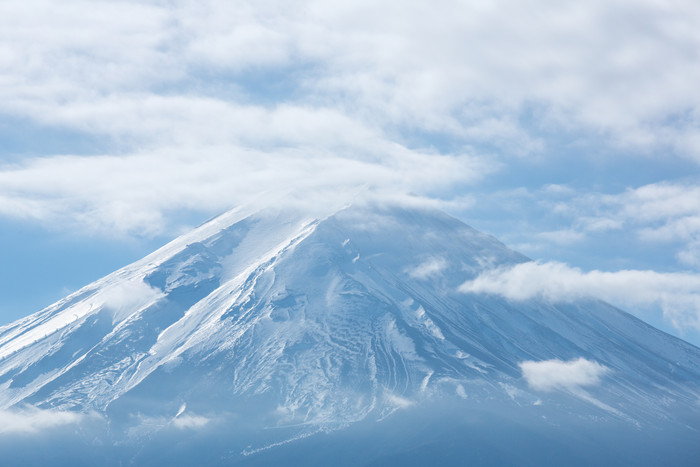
(278, 335)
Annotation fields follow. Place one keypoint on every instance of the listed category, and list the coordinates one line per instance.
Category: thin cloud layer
(32, 421)
(666, 213)
(561, 221)
(678, 294)
(128, 194)
(571, 375)
(659, 213)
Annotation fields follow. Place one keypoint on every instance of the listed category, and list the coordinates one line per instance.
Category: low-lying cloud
(678, 294)
(188, 421)
(556, 374)
(31, 420)
(428, 268)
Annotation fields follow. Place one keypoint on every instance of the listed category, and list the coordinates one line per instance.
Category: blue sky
(570, 131)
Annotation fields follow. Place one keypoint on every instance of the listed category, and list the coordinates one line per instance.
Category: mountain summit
(290, 326)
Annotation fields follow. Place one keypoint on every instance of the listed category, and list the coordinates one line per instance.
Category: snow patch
(511, 390)
(426, 380)
(250, 450)
(403, 344)
(429, 323)
(397, 401)
(461, 392)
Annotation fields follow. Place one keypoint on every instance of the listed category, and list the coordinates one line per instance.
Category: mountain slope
(290, 320)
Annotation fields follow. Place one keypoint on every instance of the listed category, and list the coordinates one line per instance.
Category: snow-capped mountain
(280, 319)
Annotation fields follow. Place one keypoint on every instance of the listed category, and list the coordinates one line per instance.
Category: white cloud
(31, 420)
(659, 212)
(428, 268)
(664, 214)
(678, 294)
(215, 97)
(127, 297)
(569, 375)
(657, 201)
(663, 211)
(188, 421)
(690, 254)
(135, 193)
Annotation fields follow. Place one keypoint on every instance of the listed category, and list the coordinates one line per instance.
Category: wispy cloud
(678, 294)
(663, 214)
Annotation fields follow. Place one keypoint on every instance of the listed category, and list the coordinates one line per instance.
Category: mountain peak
(292, 318)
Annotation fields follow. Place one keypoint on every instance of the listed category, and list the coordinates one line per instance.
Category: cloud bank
(136, 193)
(195, 105)
(678, 294)
(572, 375)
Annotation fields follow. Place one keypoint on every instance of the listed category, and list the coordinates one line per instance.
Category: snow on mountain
(288, 319)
